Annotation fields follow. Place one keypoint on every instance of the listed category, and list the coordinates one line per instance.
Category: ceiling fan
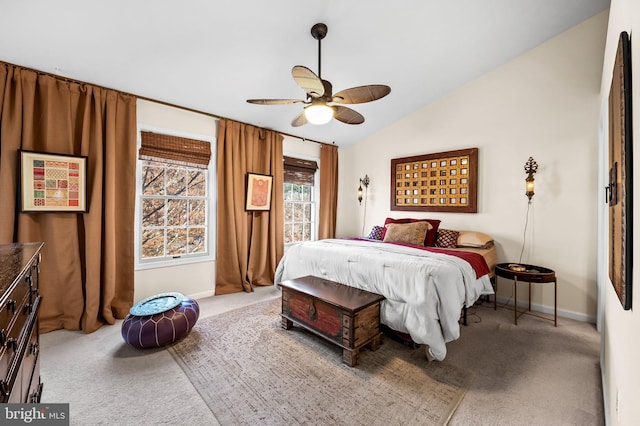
(321, 105)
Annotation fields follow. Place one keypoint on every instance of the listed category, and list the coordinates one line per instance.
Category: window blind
(174, 150)
(299, 171)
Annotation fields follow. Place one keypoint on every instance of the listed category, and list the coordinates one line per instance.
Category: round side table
(530, 274)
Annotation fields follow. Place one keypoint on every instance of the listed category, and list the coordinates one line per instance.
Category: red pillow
(432, 234)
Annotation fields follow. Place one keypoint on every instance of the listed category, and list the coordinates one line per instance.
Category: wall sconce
(530, 168)
(363, 181)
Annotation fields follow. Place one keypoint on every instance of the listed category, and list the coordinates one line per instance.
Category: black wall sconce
(530, 168)
(363, 181)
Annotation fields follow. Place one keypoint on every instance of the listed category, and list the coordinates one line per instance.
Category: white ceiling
(212, 55)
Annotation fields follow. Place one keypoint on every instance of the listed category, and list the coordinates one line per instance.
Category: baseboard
(202, 294)
(578, 316)
(605, 397)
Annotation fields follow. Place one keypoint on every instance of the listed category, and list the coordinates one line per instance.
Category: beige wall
(621, 331)
(193, 279)
(543, 104)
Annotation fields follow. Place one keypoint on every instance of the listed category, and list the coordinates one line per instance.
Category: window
(300, 207)
(173, 201)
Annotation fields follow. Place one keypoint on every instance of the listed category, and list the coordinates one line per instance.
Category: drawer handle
(4, 388)
(11, 305)
(3, 337)
(12, 343)
(34, 348)
(36, 395)
(27, 308)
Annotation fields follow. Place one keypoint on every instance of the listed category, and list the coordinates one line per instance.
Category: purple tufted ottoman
(160, 320)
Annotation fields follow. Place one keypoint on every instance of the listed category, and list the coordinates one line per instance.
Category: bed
(425, 287)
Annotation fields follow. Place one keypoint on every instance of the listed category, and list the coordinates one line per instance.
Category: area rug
(251, 371)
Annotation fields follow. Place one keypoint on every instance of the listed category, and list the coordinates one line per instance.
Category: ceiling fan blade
(308, 81)
(361, 94)
(300, 120)
(275, 101)
(347, 115)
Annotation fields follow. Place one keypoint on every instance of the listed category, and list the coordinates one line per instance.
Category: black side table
(530, 274)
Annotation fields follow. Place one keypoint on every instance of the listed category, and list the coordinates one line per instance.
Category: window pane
(298, 212)
(197, 212)
(307, 213)
(306, 193)
(153, 243)
(176, 181)
(176, 241)
(288, 212)
(287, 192)
(152, 212)
(197, 239)
(176, 212)
(152, 180)
(297, 192)
(197, 183)
(287, 233)
(306, 232)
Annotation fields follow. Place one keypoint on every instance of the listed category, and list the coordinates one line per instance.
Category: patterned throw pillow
(376, 233)
(447, 238)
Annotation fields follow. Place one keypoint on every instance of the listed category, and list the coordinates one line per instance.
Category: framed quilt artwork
(440, 182)
(258, 192)
(52, 182)
(619, 189)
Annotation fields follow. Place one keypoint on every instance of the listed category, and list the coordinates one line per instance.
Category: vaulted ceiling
(212, 56)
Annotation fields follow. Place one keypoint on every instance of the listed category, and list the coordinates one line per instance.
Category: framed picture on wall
(438, 182)
(52, 182)
(620, 187)
(258, 192)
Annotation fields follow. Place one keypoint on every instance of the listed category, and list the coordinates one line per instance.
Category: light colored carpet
(250, 371)
(529, 374)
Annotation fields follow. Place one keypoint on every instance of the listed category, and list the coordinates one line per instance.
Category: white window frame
(316, 195)
(209, 255)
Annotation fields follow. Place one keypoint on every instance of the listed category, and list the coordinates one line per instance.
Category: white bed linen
(424, 291)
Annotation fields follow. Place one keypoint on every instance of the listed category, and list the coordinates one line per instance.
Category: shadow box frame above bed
(438, 182)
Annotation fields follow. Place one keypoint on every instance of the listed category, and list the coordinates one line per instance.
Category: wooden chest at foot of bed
(346, 316)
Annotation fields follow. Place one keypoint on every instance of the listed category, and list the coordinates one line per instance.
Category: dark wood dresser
(19, 338)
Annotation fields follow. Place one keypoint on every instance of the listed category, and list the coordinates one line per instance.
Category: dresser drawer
(10, 337)
(10, 305)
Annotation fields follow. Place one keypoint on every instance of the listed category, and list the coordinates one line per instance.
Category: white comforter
(424, 291)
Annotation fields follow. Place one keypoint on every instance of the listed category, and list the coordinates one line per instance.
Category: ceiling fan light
(318, 113)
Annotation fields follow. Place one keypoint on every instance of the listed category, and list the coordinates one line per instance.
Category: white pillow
(474, 239)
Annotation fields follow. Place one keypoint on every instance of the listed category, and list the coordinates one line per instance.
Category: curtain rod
(144, 98)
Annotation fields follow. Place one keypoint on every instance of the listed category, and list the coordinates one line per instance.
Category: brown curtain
(328, 191)
(250, 243)
(86, 275)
